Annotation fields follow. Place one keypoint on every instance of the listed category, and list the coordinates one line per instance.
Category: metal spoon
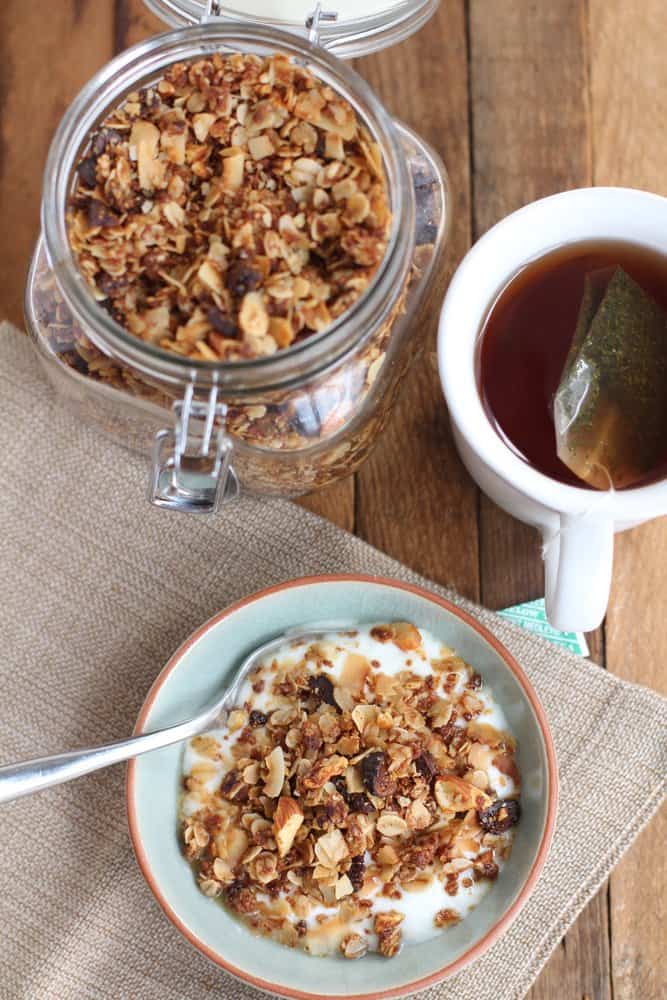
(31, 776)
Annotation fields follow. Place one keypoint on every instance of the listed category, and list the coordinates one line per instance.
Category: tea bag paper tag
(532, 616)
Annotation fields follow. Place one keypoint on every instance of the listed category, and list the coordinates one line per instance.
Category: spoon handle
(32, 775)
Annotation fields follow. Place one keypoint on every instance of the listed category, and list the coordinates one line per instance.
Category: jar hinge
(314, 20)
(191, 466)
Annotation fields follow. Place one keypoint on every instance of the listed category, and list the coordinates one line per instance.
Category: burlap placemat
(96, 591)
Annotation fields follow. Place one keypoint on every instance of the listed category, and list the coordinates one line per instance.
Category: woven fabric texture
(96, 590)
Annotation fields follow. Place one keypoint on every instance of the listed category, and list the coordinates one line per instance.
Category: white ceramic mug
(577, 525)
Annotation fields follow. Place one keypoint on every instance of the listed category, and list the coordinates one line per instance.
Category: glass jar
(285, 424)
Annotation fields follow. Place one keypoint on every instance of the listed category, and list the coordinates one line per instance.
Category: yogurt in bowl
(158, 802)
(362, 797)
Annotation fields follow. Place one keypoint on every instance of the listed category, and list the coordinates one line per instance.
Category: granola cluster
(340, 790)
(230, 210)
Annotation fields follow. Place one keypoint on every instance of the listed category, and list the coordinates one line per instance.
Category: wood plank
(414, 499)
(45, 60)
(629, 99)
(530, 139)
(336, 503)
(133, 23)
(530, 126)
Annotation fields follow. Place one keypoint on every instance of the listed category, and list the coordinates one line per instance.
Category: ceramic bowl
(192, 678)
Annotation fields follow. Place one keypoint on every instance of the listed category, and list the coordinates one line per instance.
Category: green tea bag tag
(610, 409)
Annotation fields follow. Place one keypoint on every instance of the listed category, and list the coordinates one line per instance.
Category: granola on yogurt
(362, 794)
(231, 209)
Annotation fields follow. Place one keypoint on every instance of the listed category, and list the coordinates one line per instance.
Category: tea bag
(610, 408)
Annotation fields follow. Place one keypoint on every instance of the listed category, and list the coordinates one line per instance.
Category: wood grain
(44, 60)
(629, 99)
(529, 100)
(521, 99)
(133, 22)
(336, 503)
(531, 138)
(414, 500)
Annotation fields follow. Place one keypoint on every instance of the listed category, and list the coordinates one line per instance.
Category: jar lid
(337, 25)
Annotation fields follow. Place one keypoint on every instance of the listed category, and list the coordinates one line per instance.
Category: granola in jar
(308, 411)
(230, 210)
(362, 795)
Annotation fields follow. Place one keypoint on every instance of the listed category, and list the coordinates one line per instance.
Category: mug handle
(577, 567)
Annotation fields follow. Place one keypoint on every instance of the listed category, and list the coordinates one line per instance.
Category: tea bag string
(594, 509)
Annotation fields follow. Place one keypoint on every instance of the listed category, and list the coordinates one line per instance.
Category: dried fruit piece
(356, 872)
(87, 171)
(360, 803)
(100, 215)
(242, 278)
(287, 819)
(375, 774)
(230, 785)
(322, 686)
(499, 816)
(426, 765)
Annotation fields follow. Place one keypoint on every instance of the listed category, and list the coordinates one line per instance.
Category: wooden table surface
(521, 98)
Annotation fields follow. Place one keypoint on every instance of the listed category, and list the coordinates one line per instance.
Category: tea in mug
(572, 364)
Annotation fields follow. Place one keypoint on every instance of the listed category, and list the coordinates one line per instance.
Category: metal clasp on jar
(191, 469)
